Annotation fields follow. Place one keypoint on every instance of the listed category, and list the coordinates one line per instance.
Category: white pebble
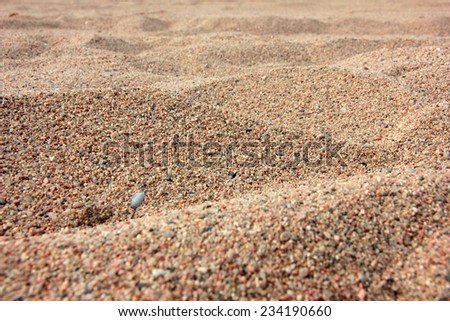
(52, 216)
(159, 272)
(137, 199)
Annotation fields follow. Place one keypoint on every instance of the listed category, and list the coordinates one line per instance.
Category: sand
(287, 150)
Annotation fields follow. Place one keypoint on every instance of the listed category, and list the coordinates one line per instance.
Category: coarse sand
(288, 150)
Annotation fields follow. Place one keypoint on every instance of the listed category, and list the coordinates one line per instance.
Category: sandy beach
(288, 150)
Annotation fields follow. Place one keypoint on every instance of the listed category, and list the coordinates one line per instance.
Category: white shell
(137, 199)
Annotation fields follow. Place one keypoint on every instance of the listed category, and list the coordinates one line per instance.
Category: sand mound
(113, 44)
(24, 48)
(273, 25)
(352, 236)
(289, 119)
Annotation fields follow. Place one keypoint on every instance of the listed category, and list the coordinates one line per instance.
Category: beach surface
(288, 150)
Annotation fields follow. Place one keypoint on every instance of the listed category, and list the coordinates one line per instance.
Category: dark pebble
(232, 174)
(2, 201)
(139, 285)
(207, 229)
(407, 240)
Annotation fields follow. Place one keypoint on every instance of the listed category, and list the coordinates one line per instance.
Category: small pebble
(52, 215)
(77, 205)
(285, 236)
(362, 294)
(68, 212)
(327, 295)
(377, 137)
(159, 272)
(169, 234)
(436, 217)
(303, 273)
(136, 200)
(202, 270)
(232, 174)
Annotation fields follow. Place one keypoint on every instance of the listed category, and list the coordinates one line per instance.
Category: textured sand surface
(289, 150)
